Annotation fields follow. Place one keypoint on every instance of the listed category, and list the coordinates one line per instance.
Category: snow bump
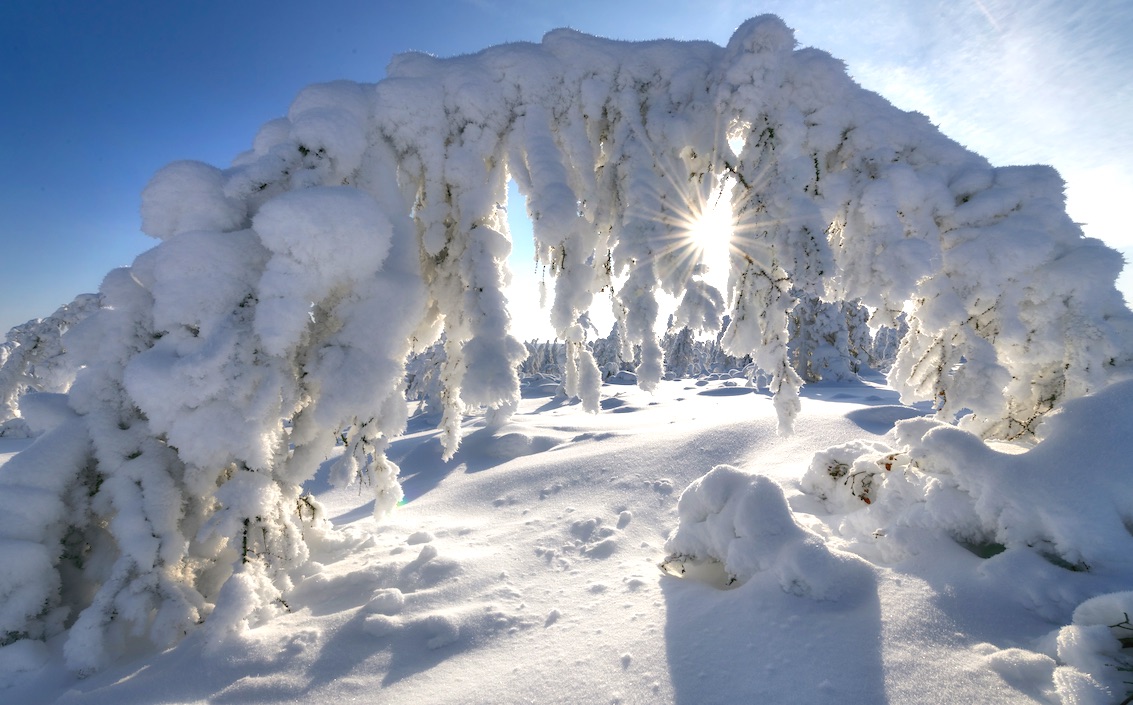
(743, 522)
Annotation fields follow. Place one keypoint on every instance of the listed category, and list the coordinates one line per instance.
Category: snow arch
(293, 284)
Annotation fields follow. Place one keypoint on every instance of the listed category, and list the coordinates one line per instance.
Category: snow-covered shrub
(288, 290)
(186, 196)
(1066, 497)
(611, 354)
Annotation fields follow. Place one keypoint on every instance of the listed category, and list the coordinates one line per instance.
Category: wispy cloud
(1018, 81)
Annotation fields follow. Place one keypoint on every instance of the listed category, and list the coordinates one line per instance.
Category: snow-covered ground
(531, 568)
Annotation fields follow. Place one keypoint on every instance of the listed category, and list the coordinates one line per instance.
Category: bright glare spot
(737, 135)
(737, 144)
(710, 234)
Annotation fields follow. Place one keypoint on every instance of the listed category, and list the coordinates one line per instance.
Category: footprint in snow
(516, 445)
(552, 617)
(426, 570)
(550, 490)
(594, 540)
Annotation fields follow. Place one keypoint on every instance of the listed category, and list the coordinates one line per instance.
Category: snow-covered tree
(609, 354)
(882, 353)
(288, 290)
(828, 340)
(33, 358)
(682, 354)
(423, 377)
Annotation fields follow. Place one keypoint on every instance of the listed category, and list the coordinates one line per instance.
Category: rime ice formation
(288, 289)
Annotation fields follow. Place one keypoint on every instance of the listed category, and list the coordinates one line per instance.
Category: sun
(709, 231)
(695, 233)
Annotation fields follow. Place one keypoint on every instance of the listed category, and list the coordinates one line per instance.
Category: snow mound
(540, 385)
(742, 521)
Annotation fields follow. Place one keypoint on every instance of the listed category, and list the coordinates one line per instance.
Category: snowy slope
(528, 569)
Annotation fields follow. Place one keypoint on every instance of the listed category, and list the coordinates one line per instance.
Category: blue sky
(99, 95)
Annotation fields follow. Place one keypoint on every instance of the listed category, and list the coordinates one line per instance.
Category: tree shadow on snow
(855, 391)
(423, 469)
(344, 654)
(881, 419)
(750, 644)
(356, 514)
(884, 407)
(556, 402)
(728, 392)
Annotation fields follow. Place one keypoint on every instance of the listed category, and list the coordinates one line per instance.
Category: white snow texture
(275, 316)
